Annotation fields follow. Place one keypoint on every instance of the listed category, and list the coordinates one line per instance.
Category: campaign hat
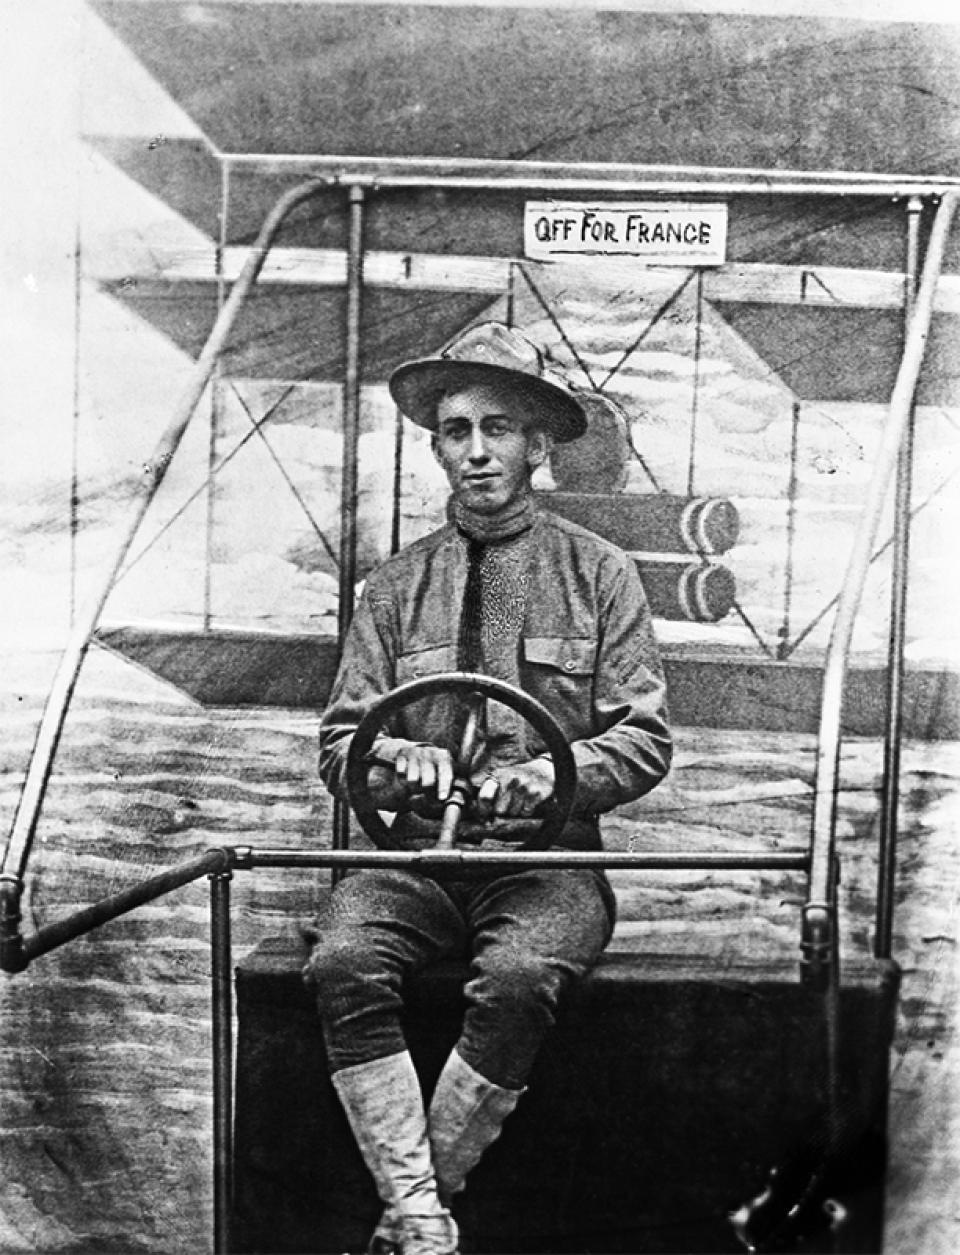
(489, 353)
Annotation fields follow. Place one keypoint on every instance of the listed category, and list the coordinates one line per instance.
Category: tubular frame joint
(443, 856)
(817, 945)
(240, 857)
(229, 858)
(12, 955)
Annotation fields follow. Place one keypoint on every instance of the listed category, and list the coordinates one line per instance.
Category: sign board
(658, 234)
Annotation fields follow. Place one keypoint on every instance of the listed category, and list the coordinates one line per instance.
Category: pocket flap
(577, 656)
(432, 661)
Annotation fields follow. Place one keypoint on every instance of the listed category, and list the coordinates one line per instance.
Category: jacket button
(569, 665)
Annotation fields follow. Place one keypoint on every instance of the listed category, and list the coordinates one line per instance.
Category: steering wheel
(474, 689)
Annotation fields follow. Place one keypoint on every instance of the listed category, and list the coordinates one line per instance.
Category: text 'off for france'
(656, 233)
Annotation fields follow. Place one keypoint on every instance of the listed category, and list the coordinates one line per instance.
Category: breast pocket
(422, 662)
(559, 672)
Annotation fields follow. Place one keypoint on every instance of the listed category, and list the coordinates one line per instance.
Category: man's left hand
(514, 792)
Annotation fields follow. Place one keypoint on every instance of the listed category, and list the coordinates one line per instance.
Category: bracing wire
(874, 557)
(644, 465)
(297, 495)
(751, 628)
(697, 346)
(75, 423)
(216, 404)
(545, 306)
(664, 308)
(202, 487)
(783, 649)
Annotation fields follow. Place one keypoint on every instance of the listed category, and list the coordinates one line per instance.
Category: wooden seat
(660, 1102)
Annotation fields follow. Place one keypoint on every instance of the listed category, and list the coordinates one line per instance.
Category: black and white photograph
(480, 632)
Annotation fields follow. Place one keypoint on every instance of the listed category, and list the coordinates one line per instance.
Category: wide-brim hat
(489, 353)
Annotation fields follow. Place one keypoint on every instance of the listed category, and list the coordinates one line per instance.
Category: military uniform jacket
(586, 652)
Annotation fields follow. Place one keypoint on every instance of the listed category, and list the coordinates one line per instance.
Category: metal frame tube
(398, 433)
(351, 414)
(819, 926)
(86, 920)
(221, 992)
(396, 172)
(351, 439)
(899, 581)
(16, 951)
(12, 955)
(460, 859)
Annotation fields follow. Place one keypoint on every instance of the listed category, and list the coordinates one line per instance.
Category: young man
(524, 597)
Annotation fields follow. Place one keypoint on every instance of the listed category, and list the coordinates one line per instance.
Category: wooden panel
(661, 1071)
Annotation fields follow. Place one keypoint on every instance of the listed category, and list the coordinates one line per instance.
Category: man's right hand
(404, 771)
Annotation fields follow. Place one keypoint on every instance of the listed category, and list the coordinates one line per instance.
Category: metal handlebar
(819, 929)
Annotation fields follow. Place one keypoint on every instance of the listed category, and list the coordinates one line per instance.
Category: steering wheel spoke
(475, 689)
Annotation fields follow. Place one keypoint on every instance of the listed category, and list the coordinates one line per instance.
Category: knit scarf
(488, 529)
(494, 604)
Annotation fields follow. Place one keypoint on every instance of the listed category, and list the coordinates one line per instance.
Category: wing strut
(819, 933)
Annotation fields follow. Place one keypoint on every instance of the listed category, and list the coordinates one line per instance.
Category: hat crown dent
(494, 344)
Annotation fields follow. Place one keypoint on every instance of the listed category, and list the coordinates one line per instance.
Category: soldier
(521, 595)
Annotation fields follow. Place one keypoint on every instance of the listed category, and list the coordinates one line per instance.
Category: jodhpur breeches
(526, 935)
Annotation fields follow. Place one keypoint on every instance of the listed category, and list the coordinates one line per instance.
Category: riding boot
(466, 1115)
(384, 1108)
(387, 1238)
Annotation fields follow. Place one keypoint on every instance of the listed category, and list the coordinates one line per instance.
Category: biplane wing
(809, 303)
